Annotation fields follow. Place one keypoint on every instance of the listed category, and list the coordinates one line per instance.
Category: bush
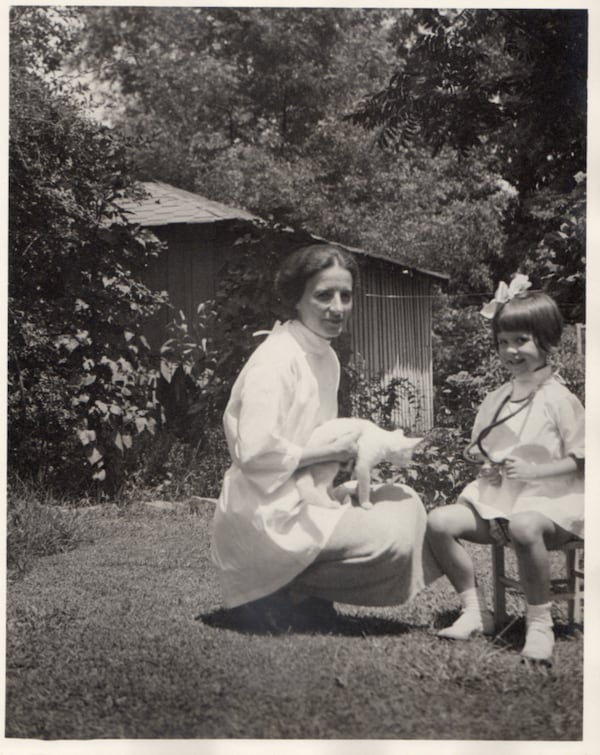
(570, 364)
(439, 471)
(80, 375)
(383, 403)
(173, 469)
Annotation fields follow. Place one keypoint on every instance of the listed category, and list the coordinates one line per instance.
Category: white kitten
(374, 446)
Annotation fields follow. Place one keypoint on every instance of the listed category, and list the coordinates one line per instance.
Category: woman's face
(326, 303)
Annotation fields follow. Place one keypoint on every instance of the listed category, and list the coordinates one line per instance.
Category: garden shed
(391, 324)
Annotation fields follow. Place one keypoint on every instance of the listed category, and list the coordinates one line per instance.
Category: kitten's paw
(366, 505)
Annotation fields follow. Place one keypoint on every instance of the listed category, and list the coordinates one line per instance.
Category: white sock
(539, 639)
(473, 600)
(539, 613)
(474, 618)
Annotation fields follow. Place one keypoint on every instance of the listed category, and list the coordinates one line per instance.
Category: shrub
(173, 469)
(80, 376)
(439, 470)
(570, 363)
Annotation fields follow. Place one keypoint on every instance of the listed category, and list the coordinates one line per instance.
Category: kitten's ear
(414, 441)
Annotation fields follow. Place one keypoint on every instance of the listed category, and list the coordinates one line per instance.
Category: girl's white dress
(548, 429)
(264, 535)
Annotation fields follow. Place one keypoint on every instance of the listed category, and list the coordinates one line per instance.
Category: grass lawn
(123, 638)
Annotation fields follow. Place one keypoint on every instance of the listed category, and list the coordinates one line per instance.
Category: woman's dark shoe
(316, 613)
(278, 613)
(273, 613)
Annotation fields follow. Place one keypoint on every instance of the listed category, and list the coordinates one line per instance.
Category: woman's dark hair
(305, 262)
(533, 312)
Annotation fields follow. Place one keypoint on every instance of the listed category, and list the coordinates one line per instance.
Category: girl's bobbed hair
(302, 264)
(534, 312)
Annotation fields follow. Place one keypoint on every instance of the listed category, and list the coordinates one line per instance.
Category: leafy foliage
(245, 105)
(261, 76)
(264, 128)
(470, 76)
(202, 357)
(264, 125)
(79, 376)
(513, 83)
(437, 213)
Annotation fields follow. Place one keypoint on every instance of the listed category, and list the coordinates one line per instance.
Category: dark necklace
(523, 404)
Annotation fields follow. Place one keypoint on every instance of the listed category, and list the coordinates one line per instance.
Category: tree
(79, 374)
(246, 106)
(439, 213)
(200, 80)
(512, 83)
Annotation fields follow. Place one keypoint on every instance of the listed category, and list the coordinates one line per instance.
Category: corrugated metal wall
(391, 331)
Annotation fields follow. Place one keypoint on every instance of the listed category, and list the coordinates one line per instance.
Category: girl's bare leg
(445, 526)
(532, 535)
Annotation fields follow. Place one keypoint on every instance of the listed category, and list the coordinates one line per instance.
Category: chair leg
(500, 616)
(572, 585)
(578, 588)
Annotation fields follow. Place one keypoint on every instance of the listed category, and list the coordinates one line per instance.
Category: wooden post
(499, 587)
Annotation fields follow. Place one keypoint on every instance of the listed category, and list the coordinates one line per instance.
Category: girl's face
(326, 303)
(519, 352)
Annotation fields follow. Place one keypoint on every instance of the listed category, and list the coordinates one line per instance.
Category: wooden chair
(568, 587)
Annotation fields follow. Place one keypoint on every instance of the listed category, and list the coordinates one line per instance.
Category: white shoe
(539, 642)
(468, 624)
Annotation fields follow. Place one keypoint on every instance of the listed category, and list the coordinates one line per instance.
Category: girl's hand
(492, 473)
(518, 469)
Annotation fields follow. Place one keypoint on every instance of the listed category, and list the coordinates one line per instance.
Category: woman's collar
(309, 341)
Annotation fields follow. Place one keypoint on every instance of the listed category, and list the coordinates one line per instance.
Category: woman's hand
(340, 450)
(345, 447)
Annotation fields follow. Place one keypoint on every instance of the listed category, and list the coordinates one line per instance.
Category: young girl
(529, 437)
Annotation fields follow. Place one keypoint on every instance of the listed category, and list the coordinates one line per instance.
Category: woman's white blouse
(263, 533)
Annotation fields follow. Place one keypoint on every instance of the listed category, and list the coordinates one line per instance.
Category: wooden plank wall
(390, 326)
(391, 331)
(186, 270)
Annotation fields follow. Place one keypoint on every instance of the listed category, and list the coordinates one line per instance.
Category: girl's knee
(526, 528)
(438, 520)
(446, 520)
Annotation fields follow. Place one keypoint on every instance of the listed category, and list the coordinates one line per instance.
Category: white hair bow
(518, 285)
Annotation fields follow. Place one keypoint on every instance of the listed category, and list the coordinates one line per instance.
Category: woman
(274, 550)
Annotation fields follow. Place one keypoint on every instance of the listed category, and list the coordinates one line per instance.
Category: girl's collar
(523, 385)
(309, 341)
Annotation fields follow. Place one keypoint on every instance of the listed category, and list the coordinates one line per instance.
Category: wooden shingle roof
(166, 204)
